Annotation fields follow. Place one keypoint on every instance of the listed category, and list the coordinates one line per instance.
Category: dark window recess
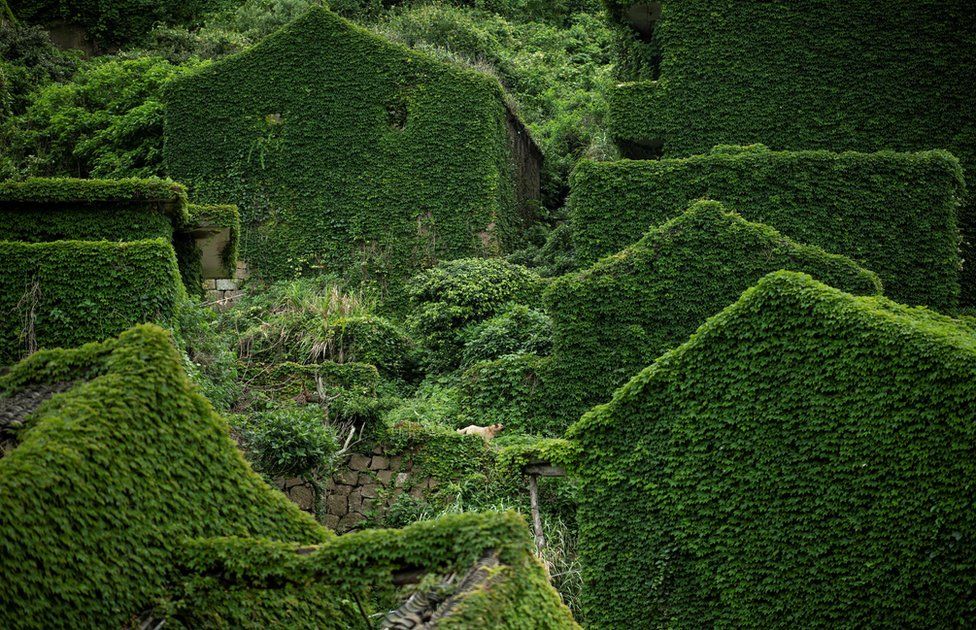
(396, 113)
(648, 150)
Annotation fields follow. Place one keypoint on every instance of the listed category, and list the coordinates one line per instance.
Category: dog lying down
(486, 433)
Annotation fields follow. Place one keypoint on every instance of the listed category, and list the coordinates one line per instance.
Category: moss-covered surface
(893, 213)
(613, 319)
(66, 293)
(226, 577)
(347, 153)
(805, 459)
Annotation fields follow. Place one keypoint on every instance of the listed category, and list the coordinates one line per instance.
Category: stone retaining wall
(365, 483)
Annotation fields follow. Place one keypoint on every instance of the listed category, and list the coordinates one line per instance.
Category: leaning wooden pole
(540, 539)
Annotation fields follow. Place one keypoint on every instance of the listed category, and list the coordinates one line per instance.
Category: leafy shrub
(229, 30)
(517, 329)
(290, 442)
(556, 255)
(313, 320)
(371, 339)
(448, 297)
(115, 23)
(287, 320)
(107, 121)
(29, 61)
(509, 390)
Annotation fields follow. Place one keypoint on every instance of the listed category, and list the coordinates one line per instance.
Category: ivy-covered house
(612, 319)
(351, 154)
(805, 459)
(83, 260)
(857, 76)
(893, 213)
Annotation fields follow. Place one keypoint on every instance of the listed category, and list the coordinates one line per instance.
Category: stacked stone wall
(365, 485)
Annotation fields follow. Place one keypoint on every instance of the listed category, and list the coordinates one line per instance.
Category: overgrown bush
(314, 320)
(448, 297)
(224, 32)
(290, 442)
(554, 257)
(107, 121)
(29, 61)
(516, 329)
(208, 353)
(115, 23)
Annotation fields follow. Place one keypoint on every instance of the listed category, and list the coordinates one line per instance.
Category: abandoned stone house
(352, 154)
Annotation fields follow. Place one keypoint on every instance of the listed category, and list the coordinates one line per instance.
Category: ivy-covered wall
(48, 209)
(52, 208)
(804, 460)
(615, 318)
(893, 213)
(66, 293)
(863, 76)
(347, 153)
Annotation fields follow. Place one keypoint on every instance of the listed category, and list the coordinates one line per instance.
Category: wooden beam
(544, 470)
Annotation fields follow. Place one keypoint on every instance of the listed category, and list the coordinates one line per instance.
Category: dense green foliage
(107, 121)
(228, 580)
(111, 477)
(812, 75)
(459, 293)
(555, 72)
(290, 442)
(110, 23)
(514, 330)
(66, 293)
(616, 317)
(804, 460)
(893, 213)
(510, 390)
(312, 320)
(208, 355)
(425, 171)
(28, 59)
